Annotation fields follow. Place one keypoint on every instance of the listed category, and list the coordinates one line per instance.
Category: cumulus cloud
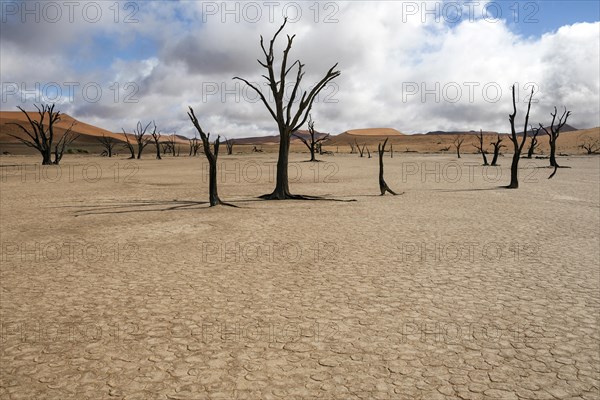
(399, 69)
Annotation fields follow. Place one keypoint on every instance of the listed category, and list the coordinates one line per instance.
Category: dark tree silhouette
(361, 151)
(140, 137)
(287, 121)
(590, 144)
(41, 134)
(383, 187)
(458, 141)
(497, 147)
(352, 148)
(172, 141)
(229, 143)
(67, 138)
(391, 150)
(156, 137)
(368, 152)
(553, 135)
(314, 144)
(480, 147)
(109, 143)
(211, 156)
(517, 147)
(195, 144)
(128, 145)
(534, 142)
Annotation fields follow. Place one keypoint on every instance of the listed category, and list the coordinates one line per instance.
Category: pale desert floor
(126, 285)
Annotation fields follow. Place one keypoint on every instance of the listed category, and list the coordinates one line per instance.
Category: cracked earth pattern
(129, 289)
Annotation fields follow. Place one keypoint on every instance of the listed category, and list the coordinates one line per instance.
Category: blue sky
(539, 17)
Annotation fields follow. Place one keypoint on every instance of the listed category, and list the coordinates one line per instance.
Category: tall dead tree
(315, 143)
(534, 142)
(383, 187)
(129, 145)
(287, 121)
(109, 143)
(458, 141)
(211, 156)
(156, 137)
(517, 147)
(481, 147)
(229, 143)
(41, 134)
(140, 137)
(497, 146)
(67, 138)
(553, 135)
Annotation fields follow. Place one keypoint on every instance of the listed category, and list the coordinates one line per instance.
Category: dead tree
(173, 144)
(211, 156)
(534, 142)
(497, 147)
(391, 150)
(458, 141)
(195, 144)
(156, 137)
(287, 121)
(368, 152)
(229, 143)
(109, 143)
(383, 187)
(553, 136)
(67, 138)
(480, 147)
(40, 136)
(590, 144)
(352, 148)
(314, 144)
(517, 147)
(140, 137)
(361, 151)
(129, 145)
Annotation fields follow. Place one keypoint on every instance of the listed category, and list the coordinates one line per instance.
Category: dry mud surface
(117, 281)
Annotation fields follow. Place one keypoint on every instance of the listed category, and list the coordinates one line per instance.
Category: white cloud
(382, 52)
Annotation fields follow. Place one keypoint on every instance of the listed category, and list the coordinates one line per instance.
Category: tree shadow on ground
(139, 206)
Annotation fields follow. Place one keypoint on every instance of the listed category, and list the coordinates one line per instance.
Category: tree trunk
(485, 161)
(458, 152)
(312, 153)
(514, 171)
(496, 153)
(140, 149)
(553, 162)
(158, 157)
(383, 187)
(530, 152)
(282, 190)
(212, 186)
(47, 157)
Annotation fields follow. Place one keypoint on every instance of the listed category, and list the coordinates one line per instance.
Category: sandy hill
(88, 132)
(374, 132)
